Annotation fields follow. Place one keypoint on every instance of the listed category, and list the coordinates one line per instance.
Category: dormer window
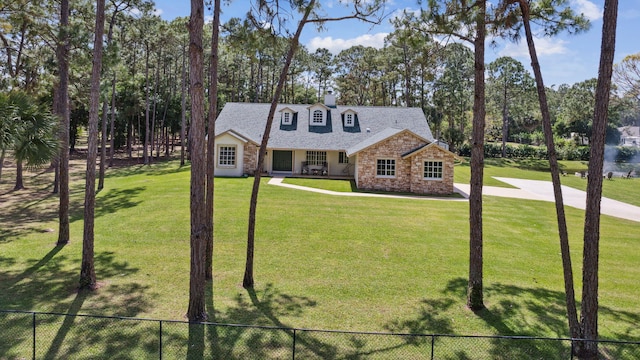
(318, 118)
(348, 120)
(287, 117)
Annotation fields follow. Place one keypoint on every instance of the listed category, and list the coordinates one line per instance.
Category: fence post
(433, 344)
(33, 350)
(293, 352)
(160, 337)
(571, 355)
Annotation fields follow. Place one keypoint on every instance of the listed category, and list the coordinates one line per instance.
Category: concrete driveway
(543, 190)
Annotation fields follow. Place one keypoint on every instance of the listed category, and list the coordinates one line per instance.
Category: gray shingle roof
(372, 140)
(249, 120)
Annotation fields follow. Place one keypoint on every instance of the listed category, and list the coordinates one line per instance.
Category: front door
(282, 160)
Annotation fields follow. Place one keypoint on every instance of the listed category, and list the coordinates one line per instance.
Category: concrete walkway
(278, 182)
(526, 189)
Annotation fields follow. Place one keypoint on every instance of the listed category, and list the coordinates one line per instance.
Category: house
(381, 148)
(629, 136)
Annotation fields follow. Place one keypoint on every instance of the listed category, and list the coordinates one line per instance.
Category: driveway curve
(543, 190)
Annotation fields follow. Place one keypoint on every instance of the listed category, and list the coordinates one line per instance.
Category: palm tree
(34, 141)
(8, 126)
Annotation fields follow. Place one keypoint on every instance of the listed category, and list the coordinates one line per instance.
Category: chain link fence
(32, 335)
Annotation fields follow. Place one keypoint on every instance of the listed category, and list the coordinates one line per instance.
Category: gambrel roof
(374, 124)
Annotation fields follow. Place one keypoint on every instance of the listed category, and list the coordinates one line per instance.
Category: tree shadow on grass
(50, 281)
(519, 311)
(79, 336)
(267, 338)
(26, 212)
(136, 167)
(112, 201)
(21, 218)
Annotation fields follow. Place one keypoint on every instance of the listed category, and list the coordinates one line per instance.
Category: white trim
(287, 118)
(387, 170)
(234, 158)
(349, 119)
(321, 119)
(441, 178)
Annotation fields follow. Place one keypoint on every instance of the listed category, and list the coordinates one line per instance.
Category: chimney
(330, 99)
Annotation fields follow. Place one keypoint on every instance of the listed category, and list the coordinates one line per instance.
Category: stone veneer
(250, 158)
(421, 186)
(409, 172)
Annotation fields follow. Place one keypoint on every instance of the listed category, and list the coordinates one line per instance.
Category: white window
(342, 158)
(433, 170)
(316, 157)
(286, 118)
(386, 168)
(348, 121)
(227, 155)
(317, 118)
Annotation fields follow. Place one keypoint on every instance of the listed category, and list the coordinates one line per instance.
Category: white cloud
(157, 12)
(588, 9)
(337, 45)
(544, 47)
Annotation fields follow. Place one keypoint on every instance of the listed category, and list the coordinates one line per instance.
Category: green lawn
(324, 262)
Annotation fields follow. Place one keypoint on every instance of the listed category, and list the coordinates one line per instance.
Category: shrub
(627, 154)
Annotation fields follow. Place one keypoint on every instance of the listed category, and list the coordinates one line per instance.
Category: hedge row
(612, 153)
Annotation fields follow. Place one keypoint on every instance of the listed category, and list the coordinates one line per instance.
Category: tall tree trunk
(103, 145)
(505, 122)
(248, 281)
(130, 137)
(572, 317)
(475, 291)
(112, 142)
(211, 134)
(183, 112)
(19, 179)
(62, 110)
(2, 153)
(55, 165)
(155, 105)
(197, 280)
(146, 111)
(87, 270)
(589, 307)
(163, 137)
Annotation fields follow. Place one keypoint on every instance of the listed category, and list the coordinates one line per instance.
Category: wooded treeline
(144, 59)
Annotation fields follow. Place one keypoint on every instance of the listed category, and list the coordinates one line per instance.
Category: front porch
(311, 175)
(309, 163)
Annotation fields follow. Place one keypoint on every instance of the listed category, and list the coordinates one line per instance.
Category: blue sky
(565, 59)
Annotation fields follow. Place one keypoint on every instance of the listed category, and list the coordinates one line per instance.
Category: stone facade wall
(421, 186)
(392, 148)
(409, 172)
(250, 158)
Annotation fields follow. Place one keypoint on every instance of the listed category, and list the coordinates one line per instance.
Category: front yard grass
(327, 262)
